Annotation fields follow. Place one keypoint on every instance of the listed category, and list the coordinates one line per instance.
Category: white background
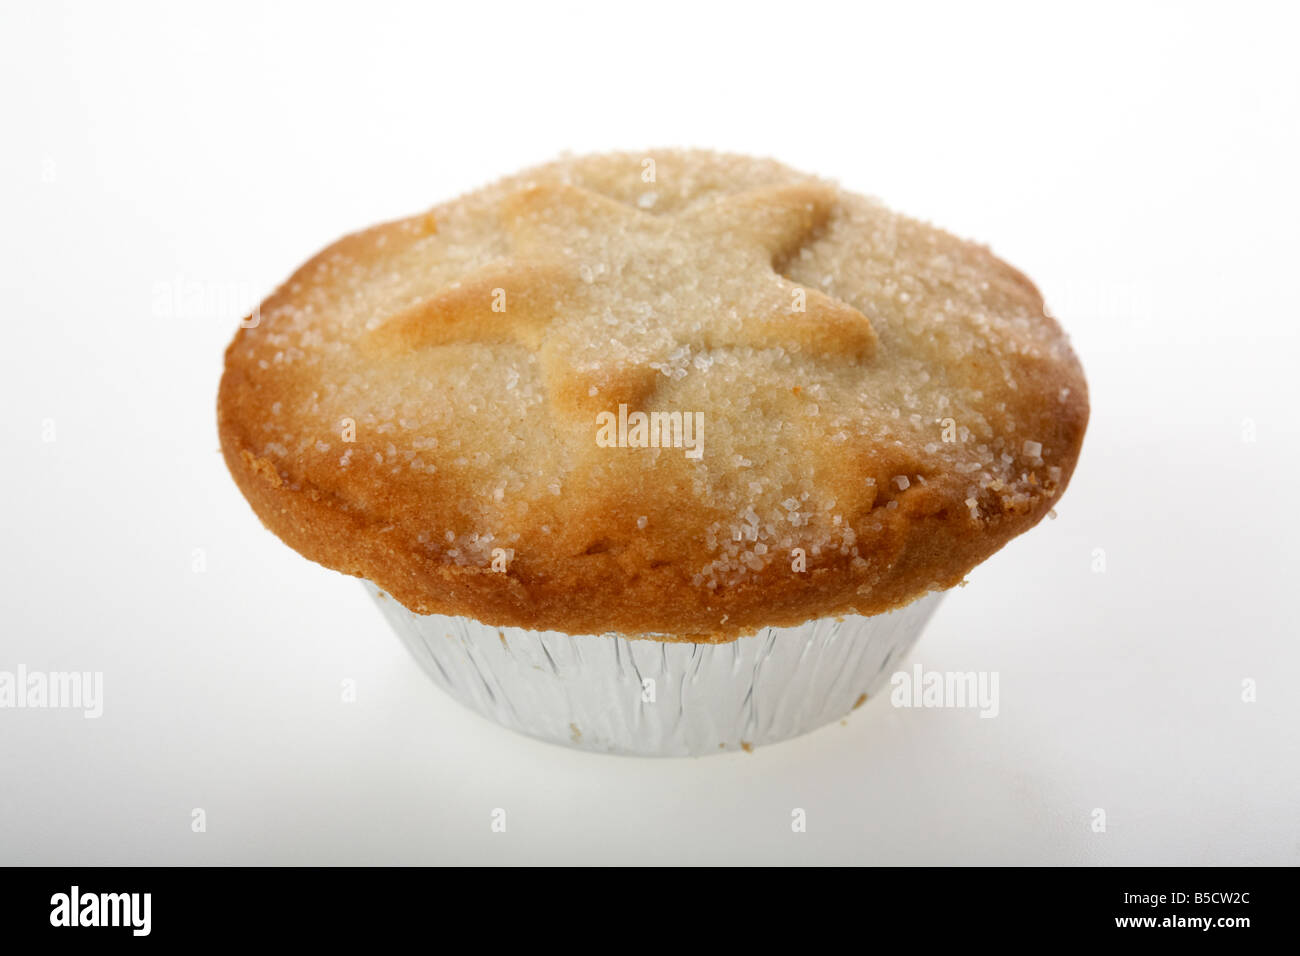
(1138, 161)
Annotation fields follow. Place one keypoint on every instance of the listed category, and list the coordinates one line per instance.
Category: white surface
(1137, 161)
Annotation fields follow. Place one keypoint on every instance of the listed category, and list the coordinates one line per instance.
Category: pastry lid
(677, 392)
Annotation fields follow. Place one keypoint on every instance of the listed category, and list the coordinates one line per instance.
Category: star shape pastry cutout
(604, 292)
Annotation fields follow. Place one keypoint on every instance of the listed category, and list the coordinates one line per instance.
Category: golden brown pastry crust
(418, 404)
